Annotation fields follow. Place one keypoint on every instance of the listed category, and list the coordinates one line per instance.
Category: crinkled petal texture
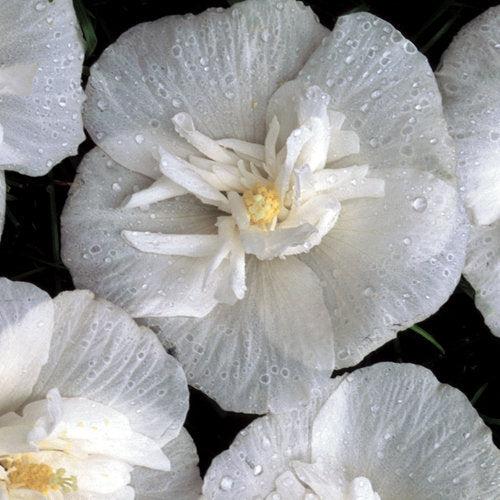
(469, 77)
(387, 92)
(395, 425)
(41, 51)
(101, 260)
(100, 353)
(482, 269)
(91, 349)
(221, 66)
(26, 324)
(182, 482)
(388, 263)
(251, 356)
(266, 352)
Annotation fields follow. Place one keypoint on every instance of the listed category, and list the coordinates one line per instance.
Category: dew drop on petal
(419, 204)
(226, 483)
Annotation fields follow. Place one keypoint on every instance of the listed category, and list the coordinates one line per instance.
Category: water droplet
(226, 483)
(102, 104)
(116, 187)
(257, 470)
(419, 204)
(265, 36)
(40, 6)
(139, 139)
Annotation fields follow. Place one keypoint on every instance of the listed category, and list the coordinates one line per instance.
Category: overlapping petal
(392, 427)
(266, 352)
(100, 258)
(98, 352)
(221, 66)
(469, 77)
(482, 269)
(391, 260)
(123, 396)
(41, 51)
(182, 482)
(26, 323)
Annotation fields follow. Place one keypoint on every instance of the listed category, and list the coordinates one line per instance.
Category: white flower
(89, 402)
(390, 431)
(271, 230)
(469, 77)
(41, 57)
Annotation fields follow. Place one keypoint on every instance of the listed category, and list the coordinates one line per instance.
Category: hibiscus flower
(91, 405)
(275, 199)
(390, 431)
(469, 77)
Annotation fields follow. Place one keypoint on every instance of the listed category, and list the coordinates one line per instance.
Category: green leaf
(427, 336)
(441, 31)
(478, 394)
(490, 420)
(84, 18)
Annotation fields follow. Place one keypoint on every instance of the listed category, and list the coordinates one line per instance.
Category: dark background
(29, 248)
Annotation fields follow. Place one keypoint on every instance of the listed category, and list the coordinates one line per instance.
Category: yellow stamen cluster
(262, 204)
(24, 473)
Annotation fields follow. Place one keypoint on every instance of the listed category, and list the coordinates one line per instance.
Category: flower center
(24, 473)
(262, 204)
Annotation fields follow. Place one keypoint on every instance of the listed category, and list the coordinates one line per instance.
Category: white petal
(96, 429)
(125, 493)
(160, 190)
(255, 151)
(26, 325)
(470, 83)
(342, 143)
(482, 269)
(98, 352)
(270, 145)
(184, 126)
(265, 352)
(260, 454)
(393, 425)
(294, 144)
(399, 418)
(182, 482)
(13, 439)
(295, 105)
(320, 212)
(44, 127)
(188, 245)
(101, 260)
(181, 172)
(350, 182)
(17, 79)
(280, 242)
(94, 474)
(387, 92)
(397, 259)
(224, 81)
(238, 209)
